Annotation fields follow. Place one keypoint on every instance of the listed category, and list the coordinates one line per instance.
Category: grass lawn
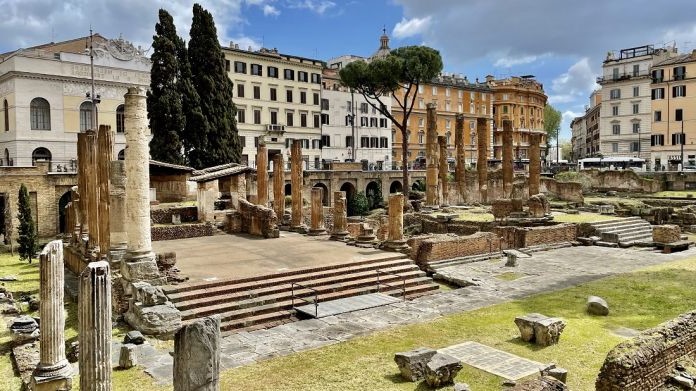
(638, 300)
(616, 201)
(581, 217)
(680, 194)
(478, 214)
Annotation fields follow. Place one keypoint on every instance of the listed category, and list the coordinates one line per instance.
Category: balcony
(275, 128)
(622, 76)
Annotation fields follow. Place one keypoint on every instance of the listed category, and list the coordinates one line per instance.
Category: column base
(140, 267)
(396, 245)
(317, 232)
(340, 236)
(51, 378)
(301, 229)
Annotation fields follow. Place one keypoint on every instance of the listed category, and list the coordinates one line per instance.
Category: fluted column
(117, 210)
(317, 227)
(444, 169)
(279, 187)
(105, 152)
(197, 356)
(431, 157)
(482, 128)
(296, 222)
(460, 168)
(92, 189)
(81, 187)
(262, 175)
(395, 240)
(534, 163)
(340, 216)
(507, 158)
(94, 331)
(53, 372)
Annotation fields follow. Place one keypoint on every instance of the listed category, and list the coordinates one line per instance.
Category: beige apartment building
(585, 129)
(673, 97)
(278, 98)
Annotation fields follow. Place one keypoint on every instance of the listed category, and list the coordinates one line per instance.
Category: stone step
(623, 227)
(434, 265)
(545, 247)
(196, 285)
(247, 299)
(605, 223)
(629, 228)
(284, 300)
(618, 236)
(276, 281)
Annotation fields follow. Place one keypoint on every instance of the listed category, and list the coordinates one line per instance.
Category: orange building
(452, 95)
(520, 99)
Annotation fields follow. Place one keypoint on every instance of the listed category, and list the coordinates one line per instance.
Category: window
(363, 121)
(636, 127)
(324, 104)
(86, 116)
(302, 76)
(121, 119)
(303, 97)
(241, 115)
(421, 136)
(636, 91)
(678, 91)
(615, 73)
(256, 70)
(678, 115)
(460, 94)
(635, 146)
(635, 108)
(447, 106)
(363, 107)
(373, 122)
(274, 118)
(383, 142)
(657, 140)
(325, 141)
(315, 100)
(420, 89)
(289, 118)
(434, 90)
(505, 109)
(658, 75)
(239, 67)
(257, 92)
(257, 116)
(242, 141)
(657, 93)
(40, 154)
(615, 147)
(256, 142)
(374, 142)
(122, 154)
(272, 72)
(40, 112)
(421, 103)
(349, 141)
(382, 122)
(615, 94)
(448, 123)
(679, 73)
(616, 129)
(240, 90)
(448, 138)
(289, 74)
(288, 95)
(636, 70)
(349, 106)
(657, 116)
(227, 65)
(324, 119)
(316, 78)
(274, 94)
(303, 120)
(615, 110)
(678, 138)
(421, 122)
(6, 114)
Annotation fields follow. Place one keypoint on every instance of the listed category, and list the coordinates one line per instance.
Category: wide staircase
(624, 232)
(267, 301)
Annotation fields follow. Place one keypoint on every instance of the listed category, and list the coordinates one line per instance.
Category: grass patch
(618, 202)
(581, 217)
(509, 276)
(638, 300)
(678, 194)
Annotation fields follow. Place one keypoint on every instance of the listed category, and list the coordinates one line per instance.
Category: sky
(561, 42)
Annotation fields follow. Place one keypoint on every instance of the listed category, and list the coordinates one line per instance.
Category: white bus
(608, 163)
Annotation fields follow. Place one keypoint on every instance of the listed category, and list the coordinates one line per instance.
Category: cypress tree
(164, 106)
(195, 132)
(27, 230)
(215, 90)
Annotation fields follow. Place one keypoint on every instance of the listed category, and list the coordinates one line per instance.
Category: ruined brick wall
(181, 231)
(626, 180)
(253, 219)
(440, 247)
(644, 363)
(502, 208)
(170, 188)
(520, 237)
(564, 191)
(188, 214)
(666, 233)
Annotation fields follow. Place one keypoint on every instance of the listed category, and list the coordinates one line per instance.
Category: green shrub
(360, 205)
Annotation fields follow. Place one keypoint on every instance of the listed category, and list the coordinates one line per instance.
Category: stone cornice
(60, 78)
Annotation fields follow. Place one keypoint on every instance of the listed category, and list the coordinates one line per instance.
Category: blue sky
(561, 42)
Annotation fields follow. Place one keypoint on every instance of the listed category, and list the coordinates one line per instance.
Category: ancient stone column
(534, 163)
(105, 153)
(482, 157)
(262, 175)
(197, 356)
(279, 187)
(507, 158)
(53, 372)
(395, 239)
(92, 189)
(81, 184)
(431, 157)
(94, 330)
(139, 262)
(118, 237)
(317, 227)
(444, 169)
(296, 223)
(340, 216)
(460, 168)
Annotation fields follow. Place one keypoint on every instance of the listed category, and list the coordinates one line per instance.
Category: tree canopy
(552, 122)
(27, 230)
(404, 69)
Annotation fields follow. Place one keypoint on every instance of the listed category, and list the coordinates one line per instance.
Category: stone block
(152, 295)
(412, 363)
(441, 370)
(526, 325)
(160, 320)
(127, 357)
(197, 356)
(134, 337)
(597, 306)
(667, 233)
(540, 329)
(558, 373)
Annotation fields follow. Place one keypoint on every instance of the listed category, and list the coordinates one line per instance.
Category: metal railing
(380, 283)
(315, 301)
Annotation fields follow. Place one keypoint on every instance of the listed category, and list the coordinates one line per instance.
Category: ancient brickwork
(534, 163)
(187, 214)
(645, 362)
(564, 191)
(431, 157)
(501, 208)
(459, 169)
(253, 219)
(443, 169)
(520, 237)
(182, 231)
(667, 233)
(482, 157)
(507, 157)
(440, 247)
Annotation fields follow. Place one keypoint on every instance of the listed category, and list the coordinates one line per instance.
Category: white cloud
(317, 6)
(578, 80)
(270, 10)
(410, 27)
(245, 42)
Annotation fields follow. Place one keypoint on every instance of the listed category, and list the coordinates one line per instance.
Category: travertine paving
(497, 362)
(543, 272)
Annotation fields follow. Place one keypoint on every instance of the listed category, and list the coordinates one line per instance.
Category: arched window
(86, 122)
(120, 119)
(122, 154)
(448, 137)
(40, 112)
(6, 112)
(40, 154)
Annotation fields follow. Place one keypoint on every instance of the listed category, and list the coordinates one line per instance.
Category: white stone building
(44, 102)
